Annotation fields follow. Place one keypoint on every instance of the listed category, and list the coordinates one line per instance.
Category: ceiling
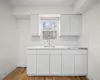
(22, 8)
(41, 2)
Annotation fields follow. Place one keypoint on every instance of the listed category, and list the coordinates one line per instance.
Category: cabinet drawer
(48, 51)
(31, 51)
(74, 51)
(43, 51)
(55, 52)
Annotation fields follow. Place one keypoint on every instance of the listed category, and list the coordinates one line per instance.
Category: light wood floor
(20, 74)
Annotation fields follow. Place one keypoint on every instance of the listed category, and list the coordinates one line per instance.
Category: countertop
(57, 47)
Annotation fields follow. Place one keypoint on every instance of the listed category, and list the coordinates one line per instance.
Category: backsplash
(60, 41)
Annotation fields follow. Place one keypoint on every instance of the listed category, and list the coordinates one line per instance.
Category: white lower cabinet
(68, 65)
(55, 64)
(80, 65)
(31, 64)
(42, 64)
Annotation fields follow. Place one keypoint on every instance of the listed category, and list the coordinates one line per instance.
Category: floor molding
(21, 67)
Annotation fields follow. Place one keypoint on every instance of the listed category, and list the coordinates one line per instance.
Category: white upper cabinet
(70, 25)
(65, 23)
(76, 24)
(34, 25)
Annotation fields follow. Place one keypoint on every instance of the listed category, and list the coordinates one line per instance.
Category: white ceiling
(41, 2)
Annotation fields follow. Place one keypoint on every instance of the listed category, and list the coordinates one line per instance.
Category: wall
(82, 6)
(8, 44)
(27, 10)
(78, 4)
(91, 20)
(23, 32)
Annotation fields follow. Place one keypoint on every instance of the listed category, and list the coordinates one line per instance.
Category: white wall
(23, 32)
(8, 47)
(78, 4)
(27, 10)
(91, 20)
(81, 6)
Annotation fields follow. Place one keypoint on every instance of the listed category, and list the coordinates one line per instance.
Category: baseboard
(89, 78)
(21, 67)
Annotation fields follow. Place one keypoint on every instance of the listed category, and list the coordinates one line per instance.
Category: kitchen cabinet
(80, 65)
(68, 65)
(34, 25)
(76, 24)
(42, 64)
(70, 25)
(31, 63)
(55, 64)
(65, 24)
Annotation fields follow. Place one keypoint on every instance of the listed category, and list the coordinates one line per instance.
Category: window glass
(50, 28)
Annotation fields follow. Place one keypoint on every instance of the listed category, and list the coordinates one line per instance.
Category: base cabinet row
(61, 65)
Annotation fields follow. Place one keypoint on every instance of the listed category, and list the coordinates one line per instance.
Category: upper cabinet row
(69, 25)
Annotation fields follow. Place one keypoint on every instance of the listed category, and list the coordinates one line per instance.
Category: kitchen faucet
(49, 41)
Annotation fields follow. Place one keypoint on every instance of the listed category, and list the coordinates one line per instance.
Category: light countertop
(57, 47)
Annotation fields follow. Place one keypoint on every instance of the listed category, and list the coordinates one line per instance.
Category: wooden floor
(20, 74)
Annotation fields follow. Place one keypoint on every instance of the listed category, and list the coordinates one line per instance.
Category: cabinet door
(68, 65)
(55, 64)
(42, 64)
(76, 24)
(80, 65)
(31, 64)
(34, 25)
(65, 21)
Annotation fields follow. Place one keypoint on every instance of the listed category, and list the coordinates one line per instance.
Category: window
(50, 27)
